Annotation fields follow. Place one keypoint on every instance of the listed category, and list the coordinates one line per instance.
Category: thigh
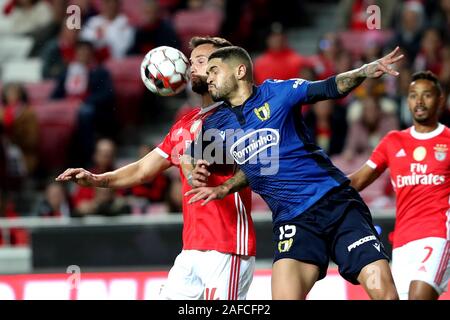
(300, 240)
(293, 279)
(355, 243)
(226, 276)
(431, 262)
(183, 281)
(402, 262)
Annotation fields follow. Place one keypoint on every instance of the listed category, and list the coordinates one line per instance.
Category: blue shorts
(339, 226)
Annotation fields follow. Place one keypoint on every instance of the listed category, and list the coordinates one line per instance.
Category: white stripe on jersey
(242, 226)
(238, 221)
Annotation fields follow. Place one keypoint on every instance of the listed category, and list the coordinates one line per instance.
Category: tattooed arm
(234, 184)
(347, 81)
(133, 174)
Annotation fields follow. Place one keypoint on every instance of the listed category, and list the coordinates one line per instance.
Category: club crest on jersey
(263, 113)
(285, 245)
(440, 152)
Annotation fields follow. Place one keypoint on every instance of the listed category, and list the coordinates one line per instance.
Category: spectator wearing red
(104, 160)
(329, 50)
(110, 31)
(20, 123)
(91, 83)
(58, 53)
(279, 61)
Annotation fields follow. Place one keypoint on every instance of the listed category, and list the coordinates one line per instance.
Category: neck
(206, 100)
(242, 93)
(425, 128)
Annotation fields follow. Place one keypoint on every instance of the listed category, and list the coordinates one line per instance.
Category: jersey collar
(428, 135)
(210, 107)
(254, 93)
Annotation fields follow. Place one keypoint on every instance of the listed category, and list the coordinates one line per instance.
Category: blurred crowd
(67, 94)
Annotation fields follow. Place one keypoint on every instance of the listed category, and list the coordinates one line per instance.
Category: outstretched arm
(340, 85)
(363, 177)
(347, 81)
(133, 174)
(234, 184)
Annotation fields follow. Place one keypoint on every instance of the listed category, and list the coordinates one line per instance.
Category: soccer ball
(165, 71)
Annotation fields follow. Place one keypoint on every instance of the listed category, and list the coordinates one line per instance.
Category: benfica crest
(263, 113)
(440, 152)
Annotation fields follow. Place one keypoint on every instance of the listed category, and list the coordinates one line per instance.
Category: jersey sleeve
(166, 146)
(379, 159)
(293, 91)
(174, 144)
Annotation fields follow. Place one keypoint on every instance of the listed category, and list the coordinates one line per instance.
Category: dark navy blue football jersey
(268, 139)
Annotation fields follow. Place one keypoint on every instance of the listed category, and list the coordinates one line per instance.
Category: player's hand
(79, 175)
(199, 175)
(383, 65)
(207, 193)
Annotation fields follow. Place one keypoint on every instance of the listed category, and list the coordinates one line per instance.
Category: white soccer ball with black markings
(165, 71)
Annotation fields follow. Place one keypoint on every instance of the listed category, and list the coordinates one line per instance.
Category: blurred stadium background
(74, 98)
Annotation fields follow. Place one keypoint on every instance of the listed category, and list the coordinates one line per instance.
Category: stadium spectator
(430, 54)
(409, 31)
(105, 203)
(157, 31)
(328, 126)
(104, 159)
(420, 171)
(329, 49)
(110, 31)
(279, 61)
(91, 83)
(25, 17)
(366, 132)
(56, 202)
(58, 53)
(20, 123)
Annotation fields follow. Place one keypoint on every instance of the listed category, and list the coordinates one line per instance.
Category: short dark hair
(235, 53)
(23, 95)
(427, 75)
(217, 42)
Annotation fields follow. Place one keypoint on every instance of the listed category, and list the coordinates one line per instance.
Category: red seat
(57, 122)
(128, 86)
(193, 23)
(39, 92)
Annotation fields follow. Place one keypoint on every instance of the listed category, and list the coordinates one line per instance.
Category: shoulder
(186, 118)
(396, 134)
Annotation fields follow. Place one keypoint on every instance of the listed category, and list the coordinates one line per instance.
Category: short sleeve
(379, 159)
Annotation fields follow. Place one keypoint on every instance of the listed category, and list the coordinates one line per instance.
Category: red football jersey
(222, 225)
(419, 165)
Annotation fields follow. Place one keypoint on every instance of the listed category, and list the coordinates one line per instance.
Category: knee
(390, 295)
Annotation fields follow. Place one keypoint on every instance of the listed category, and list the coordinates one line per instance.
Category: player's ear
(241, 71)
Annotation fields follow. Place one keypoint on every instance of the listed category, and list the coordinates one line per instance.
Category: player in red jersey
(419, 166)
(218, 256)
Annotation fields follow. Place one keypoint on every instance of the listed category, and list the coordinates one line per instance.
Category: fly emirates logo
(419, 176)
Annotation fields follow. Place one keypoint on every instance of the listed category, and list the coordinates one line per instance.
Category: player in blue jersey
(316, 214)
